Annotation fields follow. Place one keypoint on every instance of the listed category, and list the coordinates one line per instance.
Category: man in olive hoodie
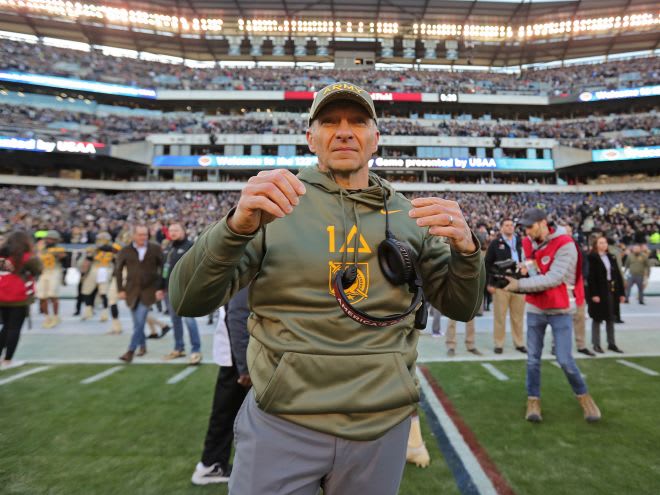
(332, 396)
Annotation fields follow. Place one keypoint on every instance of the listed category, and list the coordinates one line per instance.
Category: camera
(503, 269)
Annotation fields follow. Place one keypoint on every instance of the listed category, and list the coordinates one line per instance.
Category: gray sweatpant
(276, 457)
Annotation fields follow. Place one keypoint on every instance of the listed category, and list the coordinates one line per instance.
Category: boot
(591, 411)
(534, 410)
(115, 327)
(49, 322)
(104, 315)
(417, 453)
(127, 356)
(87, 313)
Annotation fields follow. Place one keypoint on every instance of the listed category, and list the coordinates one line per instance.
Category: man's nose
(344, 130)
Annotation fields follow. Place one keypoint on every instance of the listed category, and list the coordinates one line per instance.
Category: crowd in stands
(596, 132)
(79, 214)
(43, 123)
(95, 65)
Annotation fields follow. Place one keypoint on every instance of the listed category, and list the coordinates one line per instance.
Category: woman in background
(605, 287)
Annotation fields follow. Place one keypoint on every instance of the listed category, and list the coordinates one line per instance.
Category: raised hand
(268, 195)
(445, 219)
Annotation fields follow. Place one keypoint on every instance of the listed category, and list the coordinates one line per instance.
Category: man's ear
(310, 141)
(375, 148)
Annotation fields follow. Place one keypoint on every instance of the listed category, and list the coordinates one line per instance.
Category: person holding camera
(506, 246)
(338, 264)
(605, 286)
(549, 294)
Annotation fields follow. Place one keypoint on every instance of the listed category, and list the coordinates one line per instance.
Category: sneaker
(141, 351)
(206, 475)
(533, 410)
(591, 411)
(174, 355)
(586, 352)
(475, 351)
(498, 350)
(164, 331)
(521, 348)
(49, 322)
(153, 336)
(451, 352)
(599, 349)
(7, 365)
(195, 358)
(614, 348)
(619, 321)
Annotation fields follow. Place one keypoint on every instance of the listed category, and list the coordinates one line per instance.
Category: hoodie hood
(371, 196)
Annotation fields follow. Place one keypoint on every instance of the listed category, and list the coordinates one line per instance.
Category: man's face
(140, 236)
(343, 137)
(176, 232)
(636, 249)
(507, 227)
(536, 231)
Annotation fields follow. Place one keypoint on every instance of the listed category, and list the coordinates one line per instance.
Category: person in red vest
(579, 316)
(549, 295)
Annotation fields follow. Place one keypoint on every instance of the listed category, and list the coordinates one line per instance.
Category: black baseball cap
(531, 216)
(342, 91)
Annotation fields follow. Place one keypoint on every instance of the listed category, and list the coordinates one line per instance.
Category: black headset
(397, 261)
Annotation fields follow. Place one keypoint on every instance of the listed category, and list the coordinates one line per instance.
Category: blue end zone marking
(463, 480)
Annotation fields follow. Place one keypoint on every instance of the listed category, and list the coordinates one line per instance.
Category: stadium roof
(406, 13)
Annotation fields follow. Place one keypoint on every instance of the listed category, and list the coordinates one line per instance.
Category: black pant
(227, 400)
(12, 319)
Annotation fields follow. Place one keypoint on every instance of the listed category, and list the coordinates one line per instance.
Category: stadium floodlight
(539, 30)
(113, 15)
(315, 26)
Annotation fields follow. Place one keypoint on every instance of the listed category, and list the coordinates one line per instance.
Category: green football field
(132, 433)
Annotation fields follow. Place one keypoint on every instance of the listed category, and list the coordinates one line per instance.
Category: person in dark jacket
(605, 286)
(506, 246)
(230, 348)
(178, 247)
(16, 258)
(144, 262)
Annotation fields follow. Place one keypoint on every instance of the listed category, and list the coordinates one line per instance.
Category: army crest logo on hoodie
(360, 288)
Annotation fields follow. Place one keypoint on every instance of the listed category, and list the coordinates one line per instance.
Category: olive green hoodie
(309, 362)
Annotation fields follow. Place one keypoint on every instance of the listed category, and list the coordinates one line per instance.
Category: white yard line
(495, 372)
(18, 376)
(180, 376)
(102, 375)
(637, 367)
(472, 466)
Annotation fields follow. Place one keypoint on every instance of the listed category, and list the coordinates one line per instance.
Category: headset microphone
(397, 262)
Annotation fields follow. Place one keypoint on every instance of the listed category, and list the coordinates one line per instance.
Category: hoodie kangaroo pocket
(316, 384)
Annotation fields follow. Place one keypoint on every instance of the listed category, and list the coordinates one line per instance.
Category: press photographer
(504, 259)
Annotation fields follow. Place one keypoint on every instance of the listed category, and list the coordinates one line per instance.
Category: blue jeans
(177, 323)
(139, 314)
(562, 331)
